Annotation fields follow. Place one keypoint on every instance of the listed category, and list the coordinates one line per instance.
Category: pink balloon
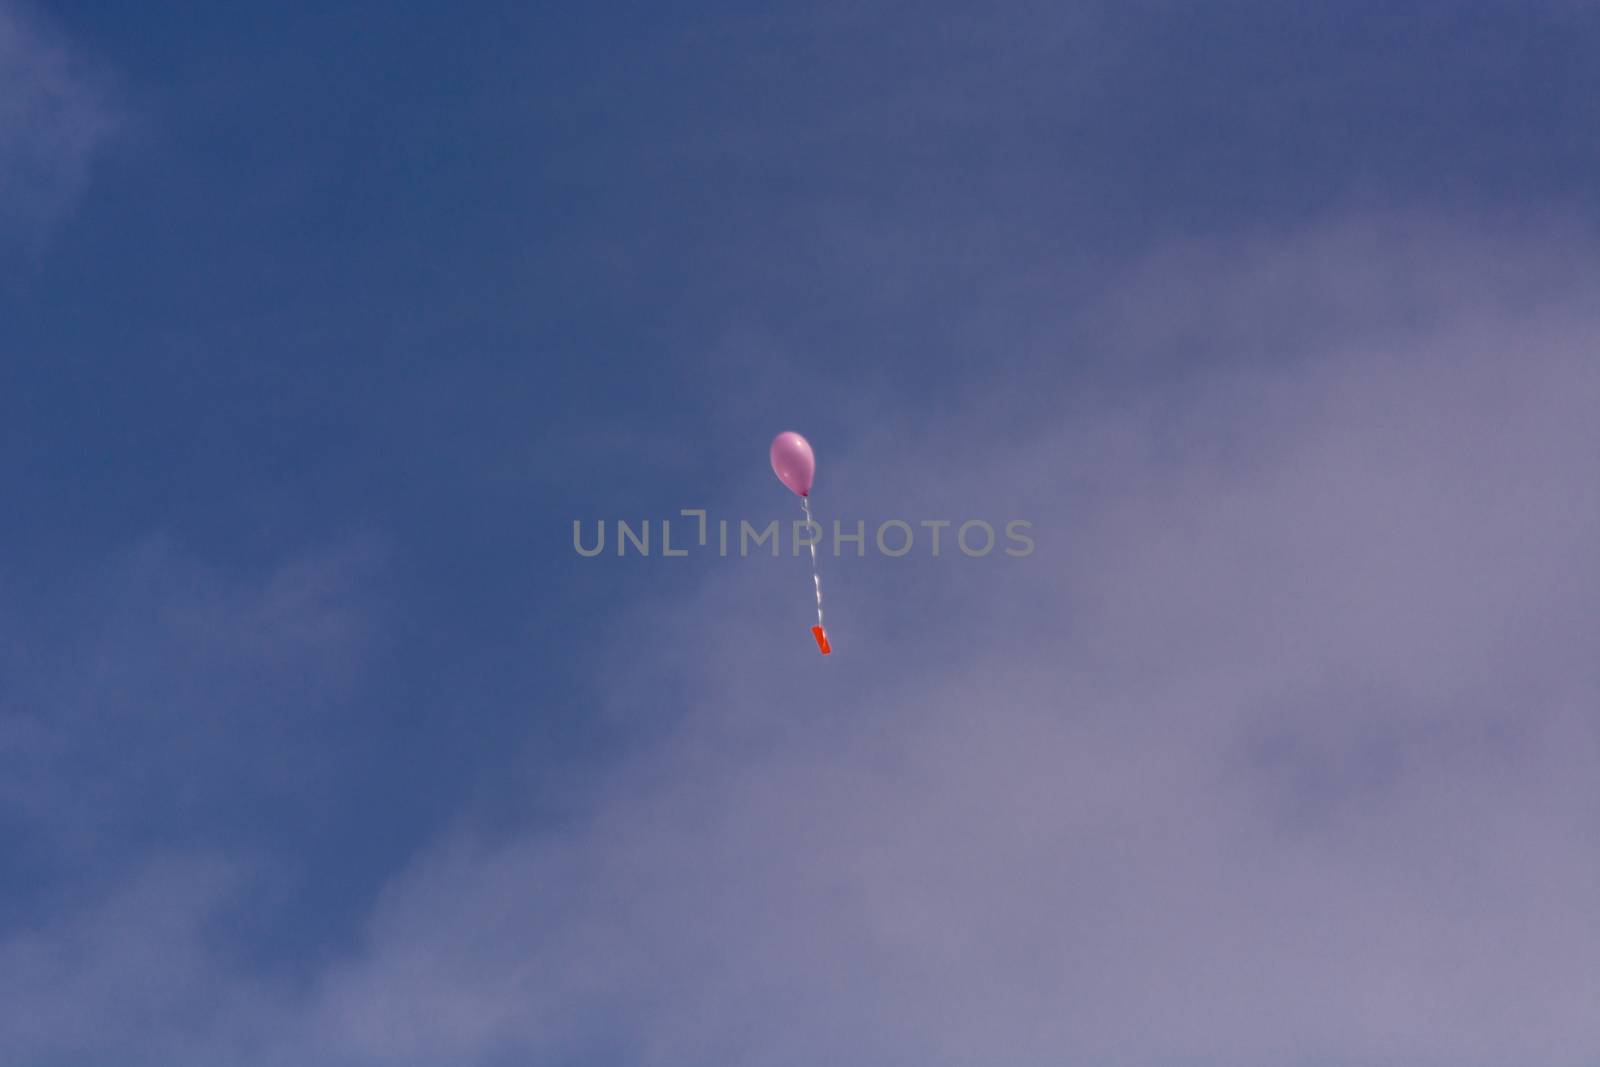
(793, 462)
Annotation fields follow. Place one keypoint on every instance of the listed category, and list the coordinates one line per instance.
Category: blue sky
(319, 326)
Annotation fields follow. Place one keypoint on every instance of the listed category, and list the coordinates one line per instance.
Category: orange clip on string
(822, 640)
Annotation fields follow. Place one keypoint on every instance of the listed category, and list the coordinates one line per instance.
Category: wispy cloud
(54, 117)
(154, 711)
(136, 973)
(150, 687)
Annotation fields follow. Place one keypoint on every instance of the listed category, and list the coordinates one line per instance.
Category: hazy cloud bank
(1280, 748)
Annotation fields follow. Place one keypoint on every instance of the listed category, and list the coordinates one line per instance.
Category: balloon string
(816, 578)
